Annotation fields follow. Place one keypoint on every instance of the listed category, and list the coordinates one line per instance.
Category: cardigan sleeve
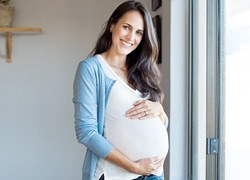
(85, 105)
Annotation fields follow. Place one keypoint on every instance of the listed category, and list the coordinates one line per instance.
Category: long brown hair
(143, 72)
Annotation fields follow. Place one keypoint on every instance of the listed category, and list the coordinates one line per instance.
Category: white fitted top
(135, 138)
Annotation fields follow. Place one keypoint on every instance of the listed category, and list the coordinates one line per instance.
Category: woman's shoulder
(91, 62)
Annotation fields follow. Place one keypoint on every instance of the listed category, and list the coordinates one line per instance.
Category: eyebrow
(132, 27)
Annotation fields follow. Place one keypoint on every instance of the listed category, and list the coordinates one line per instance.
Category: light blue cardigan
(91, 91)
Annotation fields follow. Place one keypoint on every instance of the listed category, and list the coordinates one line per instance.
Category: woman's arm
(85, 105)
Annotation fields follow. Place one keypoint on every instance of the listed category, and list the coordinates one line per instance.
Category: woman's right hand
(147, 166)
(143, 166)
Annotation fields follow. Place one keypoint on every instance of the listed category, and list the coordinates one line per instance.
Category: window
(237, 89)
(226, 72)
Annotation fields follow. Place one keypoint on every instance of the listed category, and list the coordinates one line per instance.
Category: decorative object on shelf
(157, 24)
(8, 31)
(156, 4)
(6, 13)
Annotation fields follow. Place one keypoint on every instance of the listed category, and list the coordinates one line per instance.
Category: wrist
(121, 160)
(133, 168)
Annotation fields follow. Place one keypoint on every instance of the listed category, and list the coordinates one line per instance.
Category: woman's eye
(126, 27)
(140, 33)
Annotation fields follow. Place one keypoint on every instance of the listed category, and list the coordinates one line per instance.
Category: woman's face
(127, 33)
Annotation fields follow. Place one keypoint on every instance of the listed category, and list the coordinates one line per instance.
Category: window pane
(237, 89)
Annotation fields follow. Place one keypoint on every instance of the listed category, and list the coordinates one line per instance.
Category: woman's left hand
(145, 109)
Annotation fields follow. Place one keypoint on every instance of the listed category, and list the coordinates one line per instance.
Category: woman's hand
(147, 166)
(145, 109)
(143, 166)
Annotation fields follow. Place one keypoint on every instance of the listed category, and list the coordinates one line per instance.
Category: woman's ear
(111, 28)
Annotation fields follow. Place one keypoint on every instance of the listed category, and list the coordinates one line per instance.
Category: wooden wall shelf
(8, 31)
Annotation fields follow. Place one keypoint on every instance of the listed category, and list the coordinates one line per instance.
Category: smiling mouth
(127, 44)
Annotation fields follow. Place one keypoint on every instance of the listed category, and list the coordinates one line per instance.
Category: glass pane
(237, 89)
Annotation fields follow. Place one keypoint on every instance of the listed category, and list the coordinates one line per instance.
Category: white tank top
(135, 138)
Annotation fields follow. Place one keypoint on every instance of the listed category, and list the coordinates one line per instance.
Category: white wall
(37, 140)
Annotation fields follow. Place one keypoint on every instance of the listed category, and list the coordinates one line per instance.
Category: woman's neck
(115, 61)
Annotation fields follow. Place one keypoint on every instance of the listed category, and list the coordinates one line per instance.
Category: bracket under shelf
(8, 31)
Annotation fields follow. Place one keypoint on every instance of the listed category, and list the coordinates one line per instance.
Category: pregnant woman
(117, 98)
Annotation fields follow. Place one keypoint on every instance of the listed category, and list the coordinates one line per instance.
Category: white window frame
(197, 89)
(206, 89)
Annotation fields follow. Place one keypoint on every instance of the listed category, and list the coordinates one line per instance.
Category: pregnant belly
(138, 138)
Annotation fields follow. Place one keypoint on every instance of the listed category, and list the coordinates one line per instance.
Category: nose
(131, 36)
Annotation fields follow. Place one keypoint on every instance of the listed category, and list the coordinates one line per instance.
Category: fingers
(151, 115)
(139, 106)
(141, 115)
(157, 160)
(149, 165)
(139, 102)
(141, 110)
(145, 109)
(157, 163)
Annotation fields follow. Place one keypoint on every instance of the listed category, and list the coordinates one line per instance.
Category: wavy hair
(143, 72)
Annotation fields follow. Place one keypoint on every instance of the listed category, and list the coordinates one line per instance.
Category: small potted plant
(6, 13)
